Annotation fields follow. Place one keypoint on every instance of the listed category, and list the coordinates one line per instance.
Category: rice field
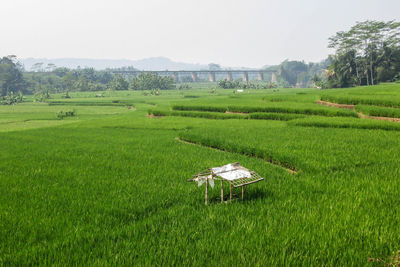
(108, 186)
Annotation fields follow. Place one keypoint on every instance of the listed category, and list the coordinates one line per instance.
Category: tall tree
(292, 71)
(119, 83)
(366, 41)
(11, 79)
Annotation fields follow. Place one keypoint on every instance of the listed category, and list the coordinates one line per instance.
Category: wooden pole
(222, 191)
(207, 191)
(242, 192)
(230, 190)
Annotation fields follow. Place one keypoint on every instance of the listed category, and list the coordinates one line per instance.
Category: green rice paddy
(108, 186)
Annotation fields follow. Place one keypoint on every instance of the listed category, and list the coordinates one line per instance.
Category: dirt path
(271, 161)
(335, 105)
(153, 117)
(240, 113)
(360, 115)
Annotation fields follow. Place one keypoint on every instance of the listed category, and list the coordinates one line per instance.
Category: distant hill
(155, 63)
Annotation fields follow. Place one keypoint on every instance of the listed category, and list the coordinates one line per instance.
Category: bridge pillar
(273, 77)
(212, 76)
(229, 76)
(260, 76)
(245, 76)
(194, 76)
(175, 76)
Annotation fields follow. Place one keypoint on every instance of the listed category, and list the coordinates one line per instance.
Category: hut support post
(206, 191)
(222, 191)
(243, 192)
(230, 191)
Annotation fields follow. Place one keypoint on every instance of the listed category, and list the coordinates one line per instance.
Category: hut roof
(232, 172)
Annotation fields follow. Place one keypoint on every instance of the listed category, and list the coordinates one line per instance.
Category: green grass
(378, 111)
(386, 95)
(109, 185)
(275, 116)
(294, 110)
(363, 100)
(200, 108)
(226, 116)
(206, 115)
(62, 103)
(37, 115)
(336, 122)
(286, 107)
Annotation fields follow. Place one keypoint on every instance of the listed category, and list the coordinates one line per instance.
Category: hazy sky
(229, 32)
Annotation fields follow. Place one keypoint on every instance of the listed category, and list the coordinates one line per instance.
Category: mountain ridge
(153, 63)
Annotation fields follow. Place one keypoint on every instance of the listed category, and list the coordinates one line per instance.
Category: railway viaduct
(211, 74)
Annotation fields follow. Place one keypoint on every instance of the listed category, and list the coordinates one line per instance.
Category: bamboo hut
(233, 173)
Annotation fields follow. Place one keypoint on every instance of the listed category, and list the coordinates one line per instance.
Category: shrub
(61, 114)
(157, 112)
(11, 99)
(151, 81)
(66, 95)
(183, 87)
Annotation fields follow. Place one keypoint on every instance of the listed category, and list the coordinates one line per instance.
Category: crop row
(200, 108)
(237, 148)
(357, 100)
(275, 116)
(270, 109)
(206, 115)
(298, 97)
(346, 123)
(378, 111)
(87, 103)
(224, 116)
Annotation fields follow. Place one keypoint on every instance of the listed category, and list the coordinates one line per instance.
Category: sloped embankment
(368, 111)
(250, 152)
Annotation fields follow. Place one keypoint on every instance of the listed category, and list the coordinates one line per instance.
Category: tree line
(14, 80)
(367, 54)
(236, 84)
(300, 74)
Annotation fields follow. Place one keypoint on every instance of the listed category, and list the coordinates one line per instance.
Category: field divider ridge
(360, 114)
(286, 167)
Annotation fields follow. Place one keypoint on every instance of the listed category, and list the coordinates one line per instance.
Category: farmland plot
(109, 186)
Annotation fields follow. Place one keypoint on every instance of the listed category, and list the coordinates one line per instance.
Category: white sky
(248, 33)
